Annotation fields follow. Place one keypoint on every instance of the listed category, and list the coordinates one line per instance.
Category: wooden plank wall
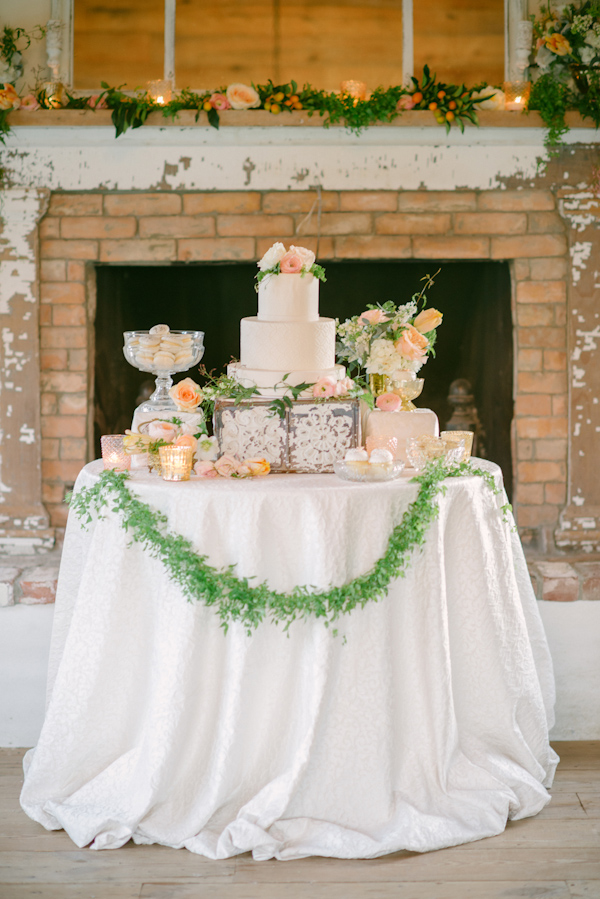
(320, 41)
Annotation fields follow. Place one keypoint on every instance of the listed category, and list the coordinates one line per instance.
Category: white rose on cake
(273, 256)
(307, 257)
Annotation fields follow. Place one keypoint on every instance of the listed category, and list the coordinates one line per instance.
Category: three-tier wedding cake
(287, 343)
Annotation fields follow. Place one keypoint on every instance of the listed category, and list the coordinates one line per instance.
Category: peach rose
(162, 430)
(428, 320)
(241, 96)
(97, 101)
(186, 395)
(30, 103)
(373, 316)
(405, 102)
(187, 440)
(558, 44)
(324, 387)
(290, 264)
(258, 467)
(227, 466)
(206, 469)
(219, 101)
(388, 402)
(411, 344)
(9, 98)
(307, 256)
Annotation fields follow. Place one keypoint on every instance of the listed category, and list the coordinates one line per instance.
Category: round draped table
(422, 724)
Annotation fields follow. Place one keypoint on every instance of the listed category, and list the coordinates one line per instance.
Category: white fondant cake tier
(270, 383)
(288, 298)
(402, 425)
(287, 346)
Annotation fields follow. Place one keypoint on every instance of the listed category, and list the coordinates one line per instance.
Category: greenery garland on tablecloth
(235, 599)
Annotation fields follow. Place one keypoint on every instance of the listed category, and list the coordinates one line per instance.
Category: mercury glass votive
(453, 438)
(176, 462)
(355, 89)
(113, 453)
(55, 93)
(160, 91)
(516, 95)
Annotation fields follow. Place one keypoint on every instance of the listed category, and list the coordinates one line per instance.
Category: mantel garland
(235, 599)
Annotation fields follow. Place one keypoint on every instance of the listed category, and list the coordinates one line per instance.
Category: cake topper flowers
(387, 338)
(295, 261)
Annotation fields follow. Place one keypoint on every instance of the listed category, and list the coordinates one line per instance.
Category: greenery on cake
(241, 599)
(295, 261)
(387, 338)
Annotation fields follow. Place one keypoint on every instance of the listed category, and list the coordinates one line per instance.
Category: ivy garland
(235, 599)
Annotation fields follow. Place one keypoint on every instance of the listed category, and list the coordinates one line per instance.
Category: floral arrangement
(295, 261)
(386, 338)
(566, 39)
(566, 52)
(170, 432)
(231, 467)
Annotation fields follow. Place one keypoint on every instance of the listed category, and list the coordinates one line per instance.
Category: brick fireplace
(543, 224)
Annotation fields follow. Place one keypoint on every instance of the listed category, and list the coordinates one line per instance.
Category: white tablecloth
(422, 724)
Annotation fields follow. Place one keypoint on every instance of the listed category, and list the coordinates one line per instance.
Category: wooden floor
(555, 855)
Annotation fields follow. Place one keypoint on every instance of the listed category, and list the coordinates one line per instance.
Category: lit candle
(160, 91)
(176, 462)
(356, 89)
(113, 453)
(516, 95)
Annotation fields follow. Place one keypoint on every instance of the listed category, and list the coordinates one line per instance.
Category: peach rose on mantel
(411, 344)
(219, 101)
(428, 320)
(186, 395)
(162, 430)
(290, 264)
(29, 103)
(242, 96)
(9, 98)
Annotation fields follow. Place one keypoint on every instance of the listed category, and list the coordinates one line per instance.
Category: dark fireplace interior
(474, 340)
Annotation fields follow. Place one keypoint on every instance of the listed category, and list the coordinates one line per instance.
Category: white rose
(307, 257)
(242, 96)
(273, 255)
(495, 98)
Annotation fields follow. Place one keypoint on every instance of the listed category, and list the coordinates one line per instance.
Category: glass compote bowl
(163, 364)
(424, 449)
(408, 391)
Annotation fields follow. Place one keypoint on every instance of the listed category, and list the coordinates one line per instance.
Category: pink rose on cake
(272, 257)
(307, 257)
(186, 395)
(290, 264)
(163, 430)
(343, 386)
(242, 96)
(373, 316)
(411, 344)
(324, 387)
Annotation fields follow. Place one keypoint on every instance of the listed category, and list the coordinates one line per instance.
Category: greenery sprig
(236, 599)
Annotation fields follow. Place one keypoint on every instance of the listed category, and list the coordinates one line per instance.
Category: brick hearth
(522, 226)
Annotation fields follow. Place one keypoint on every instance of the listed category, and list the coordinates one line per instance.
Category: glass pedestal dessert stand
(160, 401)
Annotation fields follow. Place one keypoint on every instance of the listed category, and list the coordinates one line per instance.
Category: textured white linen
(423, 724)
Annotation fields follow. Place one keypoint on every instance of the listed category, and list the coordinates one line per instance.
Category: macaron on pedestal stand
(163, 353)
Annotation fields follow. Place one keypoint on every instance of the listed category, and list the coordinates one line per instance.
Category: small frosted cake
(402, 425)
(357, 459)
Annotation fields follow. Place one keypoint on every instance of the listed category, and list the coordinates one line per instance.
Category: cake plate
(162, 369)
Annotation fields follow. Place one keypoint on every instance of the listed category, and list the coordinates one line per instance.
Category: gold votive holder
(380, 442)
(355, 89)
(114, 456)
(55, 94)
(516, 95)
(160, 91)
(453, 438)
(176, 462)
(408, 391)
(378, 384)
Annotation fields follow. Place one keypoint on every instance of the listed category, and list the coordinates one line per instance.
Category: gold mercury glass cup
(176, 462)
(407, 391)
(453, 438)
